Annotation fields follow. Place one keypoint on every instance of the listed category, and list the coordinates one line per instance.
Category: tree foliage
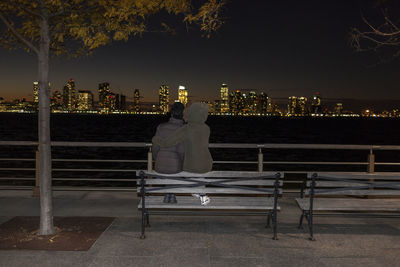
(381, 30)
(80, 26)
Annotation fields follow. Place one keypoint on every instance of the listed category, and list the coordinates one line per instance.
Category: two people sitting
(183, 147)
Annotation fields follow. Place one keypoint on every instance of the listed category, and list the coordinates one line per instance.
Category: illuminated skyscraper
(264, 103)
(112, 101)
(56, 101)
(136, 101)
(3, 107)
(297, 105)
(217, 106)
(270, 106)
(183, 95)
(85, 100)
(69, 95)
(237, 101)
(104, 96)
(163, 98)
(252, 103)
(36, 93)
(224, 104)
(339, 109)
(316, 104)
(302, 106)
(292, 105)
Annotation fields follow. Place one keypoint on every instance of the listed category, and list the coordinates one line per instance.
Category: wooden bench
(231, 193)
(364, 194)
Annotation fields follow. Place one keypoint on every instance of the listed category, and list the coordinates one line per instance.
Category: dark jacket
(168, 159)
(195, 135)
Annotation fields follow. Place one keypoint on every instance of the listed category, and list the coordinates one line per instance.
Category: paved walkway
(206, 241)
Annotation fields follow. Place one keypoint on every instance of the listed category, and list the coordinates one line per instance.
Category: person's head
(177, 110)
(197, 113)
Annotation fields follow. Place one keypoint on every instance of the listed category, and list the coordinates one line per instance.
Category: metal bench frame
(271, 215)
(313, 191)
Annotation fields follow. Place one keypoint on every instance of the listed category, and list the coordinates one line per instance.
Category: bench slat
(209, 190)
(269, 182)
(374, 192)
(215, 174)
(217, 203)
(361, 176)
(342, 204)
(347, 184)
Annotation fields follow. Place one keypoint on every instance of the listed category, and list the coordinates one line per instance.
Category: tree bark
(45, 175)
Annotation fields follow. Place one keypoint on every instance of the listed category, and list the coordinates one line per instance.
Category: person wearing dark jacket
(195, 136)
(169, 160)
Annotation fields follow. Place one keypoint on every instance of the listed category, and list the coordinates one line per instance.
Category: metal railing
(259, 149)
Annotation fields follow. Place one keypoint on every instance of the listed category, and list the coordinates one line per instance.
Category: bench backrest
(353, 184)
(212, 183)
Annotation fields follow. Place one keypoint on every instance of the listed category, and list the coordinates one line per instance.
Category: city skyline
(294, 49)
(251, 102)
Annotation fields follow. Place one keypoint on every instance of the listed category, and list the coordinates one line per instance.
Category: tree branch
(391, 23)
(18, 35)
(27, 10)
(379, 42)
(378, 32)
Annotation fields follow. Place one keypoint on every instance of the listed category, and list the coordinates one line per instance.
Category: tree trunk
(45, 176)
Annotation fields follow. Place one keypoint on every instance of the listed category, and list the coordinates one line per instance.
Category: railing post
(260, 160)
(36, 189)
(150, 160)
(371, 161)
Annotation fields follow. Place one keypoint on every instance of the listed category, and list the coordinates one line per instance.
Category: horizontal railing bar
(79, 160)
(306, 146)
(101, 160)
(14, 187)
(71, 179)
(94, 179)
(299, 146)
(316, 162)
(217, 162)
(72, 188)
(87, 188)
(17, 178)
(385, 147)
(17, 169)
(212, 145)
(94, 170)
(16, 159)
(101, 144)
(19, 143)
(234, 162)
(220, 162)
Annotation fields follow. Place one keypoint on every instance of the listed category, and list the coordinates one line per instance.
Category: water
(141, 128)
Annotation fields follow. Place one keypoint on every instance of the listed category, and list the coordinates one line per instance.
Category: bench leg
(310, 226)
(268, 220)
(144, 214)
(301, 220)
(147, 220)
(274, 225)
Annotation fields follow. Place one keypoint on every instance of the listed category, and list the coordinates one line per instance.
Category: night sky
(281, 47)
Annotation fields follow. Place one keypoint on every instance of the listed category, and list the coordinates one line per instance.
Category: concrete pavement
(206, 241)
